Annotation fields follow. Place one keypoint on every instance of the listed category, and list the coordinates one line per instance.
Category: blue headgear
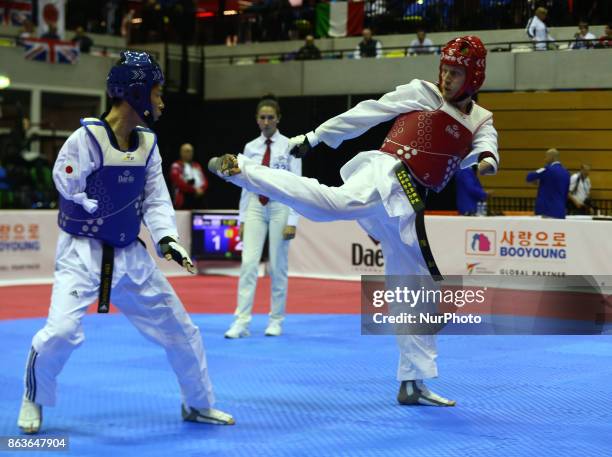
(132, 79)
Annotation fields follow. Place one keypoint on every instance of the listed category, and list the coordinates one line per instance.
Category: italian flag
(339, 18)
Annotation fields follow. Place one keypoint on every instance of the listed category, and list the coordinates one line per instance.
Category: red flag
(356, 16)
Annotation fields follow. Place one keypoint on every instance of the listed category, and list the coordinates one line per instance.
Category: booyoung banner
(28, 241)
(512, 246)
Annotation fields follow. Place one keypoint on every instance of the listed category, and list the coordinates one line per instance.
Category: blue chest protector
(118, 186)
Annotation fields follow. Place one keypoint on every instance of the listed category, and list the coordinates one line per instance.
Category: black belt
(106, 277)
(413, 191)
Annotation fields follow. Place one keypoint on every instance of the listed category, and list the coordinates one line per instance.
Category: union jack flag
(52, 51)
(14, 12)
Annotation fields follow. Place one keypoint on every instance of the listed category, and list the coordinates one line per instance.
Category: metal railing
(387, 52)
(505, 205)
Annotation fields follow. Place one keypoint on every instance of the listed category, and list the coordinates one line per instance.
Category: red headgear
(467, 52)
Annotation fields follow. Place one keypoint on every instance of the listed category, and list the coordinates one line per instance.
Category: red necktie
(266, 163)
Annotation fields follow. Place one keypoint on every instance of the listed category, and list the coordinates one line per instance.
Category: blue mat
(320, 390)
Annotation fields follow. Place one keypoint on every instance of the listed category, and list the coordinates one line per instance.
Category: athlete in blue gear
(109, 177)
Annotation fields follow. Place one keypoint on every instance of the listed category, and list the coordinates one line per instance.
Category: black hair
(271, 101)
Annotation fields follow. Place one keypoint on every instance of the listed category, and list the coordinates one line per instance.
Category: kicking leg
(357, 198)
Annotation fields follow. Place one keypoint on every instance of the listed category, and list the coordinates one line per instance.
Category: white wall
(550, 70)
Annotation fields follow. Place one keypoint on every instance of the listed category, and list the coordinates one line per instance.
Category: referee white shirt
(260, 220)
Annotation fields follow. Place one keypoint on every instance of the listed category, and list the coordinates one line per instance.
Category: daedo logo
(127, 178)
(366, 257)
(480, 242)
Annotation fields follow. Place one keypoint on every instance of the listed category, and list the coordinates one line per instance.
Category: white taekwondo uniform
(432, 138)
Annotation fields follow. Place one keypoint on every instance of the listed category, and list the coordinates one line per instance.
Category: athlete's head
(268, 115)
(137, 79)
(462, 68)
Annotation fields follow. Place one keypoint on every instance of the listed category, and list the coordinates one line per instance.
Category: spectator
(19, 139)
(152, 21)
(580, 192)
(553, 187)
(24, 168)
(583, 39)
(537, 30)
(4, 183)
(605, 41)
(109, 12)
(309, 51)
(42, 190)
(85, 43)
(188, 180)
(27, 31)
(421, 44)
(51, 34)
(375, 8)
(5, 188)
(376, 14)
(368, 47)
(469, 191)
(126, 26)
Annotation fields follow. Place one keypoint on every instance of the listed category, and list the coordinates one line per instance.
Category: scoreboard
(215, 235)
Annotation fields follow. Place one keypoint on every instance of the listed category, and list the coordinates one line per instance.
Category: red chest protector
(432, 144)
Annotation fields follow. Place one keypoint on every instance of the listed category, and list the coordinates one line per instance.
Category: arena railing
(516, 205)
(387, 51)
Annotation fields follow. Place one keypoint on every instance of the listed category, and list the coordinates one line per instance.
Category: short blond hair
(553, 152)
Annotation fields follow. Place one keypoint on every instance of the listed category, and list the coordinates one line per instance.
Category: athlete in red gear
(438, 128)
